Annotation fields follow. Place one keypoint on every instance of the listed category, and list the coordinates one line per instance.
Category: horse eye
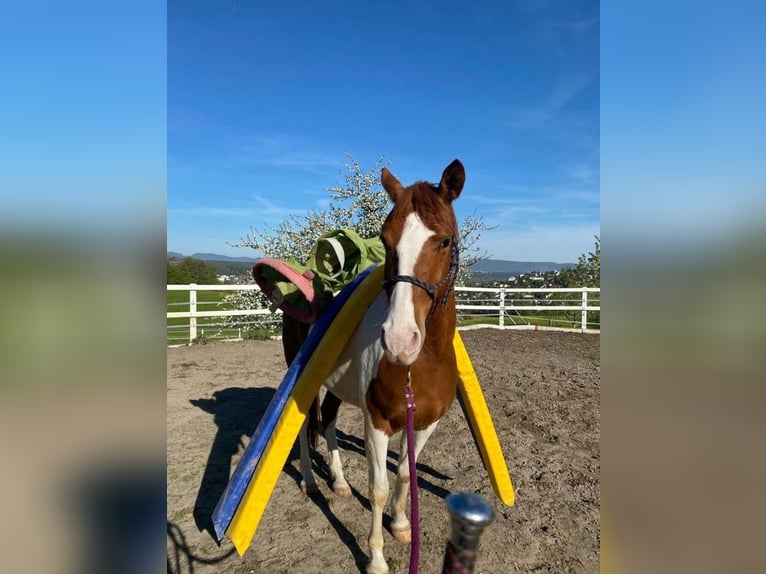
(444, 243)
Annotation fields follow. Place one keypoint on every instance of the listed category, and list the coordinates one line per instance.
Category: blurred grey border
(82, 301)
(684, 268)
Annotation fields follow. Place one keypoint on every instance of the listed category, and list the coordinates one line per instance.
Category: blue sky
(264, 101)
(83, 116)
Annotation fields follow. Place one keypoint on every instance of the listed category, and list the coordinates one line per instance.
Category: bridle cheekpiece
(433, 288)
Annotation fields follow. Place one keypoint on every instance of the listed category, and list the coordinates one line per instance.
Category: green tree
(360, 203)
(173, 275)
(587, 273)
(190, 270)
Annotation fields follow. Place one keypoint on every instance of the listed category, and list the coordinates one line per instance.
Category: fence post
(584, 309)
(192, 311)
(501, 321)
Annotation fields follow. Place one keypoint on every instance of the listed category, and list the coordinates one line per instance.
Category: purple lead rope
(414, 512)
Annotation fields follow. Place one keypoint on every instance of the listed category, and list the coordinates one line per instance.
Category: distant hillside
(493, 267)
(500, 266)
(214, 257)
(224, 265)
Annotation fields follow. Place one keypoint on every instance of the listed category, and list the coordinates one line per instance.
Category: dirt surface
(543, 393)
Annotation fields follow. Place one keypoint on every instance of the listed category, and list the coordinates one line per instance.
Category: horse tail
(321, 417)
(330, 406)
(294, 333)
(313, 426)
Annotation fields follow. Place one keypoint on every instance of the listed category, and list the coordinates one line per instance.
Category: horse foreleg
(376, 446)
(330, 406)
(339, 484)
(308, 484)
(400, 525)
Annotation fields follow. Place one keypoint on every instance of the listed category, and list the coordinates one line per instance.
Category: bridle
(433, 288)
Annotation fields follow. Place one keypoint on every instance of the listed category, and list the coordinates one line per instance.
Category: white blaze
(401, 329)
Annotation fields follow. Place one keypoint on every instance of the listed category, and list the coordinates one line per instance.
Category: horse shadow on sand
(320, 468)
(237, 412)
(354, 444)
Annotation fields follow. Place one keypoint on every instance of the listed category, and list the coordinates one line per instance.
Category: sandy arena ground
(543, 392)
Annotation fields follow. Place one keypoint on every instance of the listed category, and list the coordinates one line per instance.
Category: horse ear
(390, 184)
(452, 181)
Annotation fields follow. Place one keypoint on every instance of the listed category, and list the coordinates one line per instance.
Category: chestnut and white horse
(409, 327)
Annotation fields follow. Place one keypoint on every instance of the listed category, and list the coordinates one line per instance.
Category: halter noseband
(432, 288)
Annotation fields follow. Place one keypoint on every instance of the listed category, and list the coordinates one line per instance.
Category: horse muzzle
(401, 346)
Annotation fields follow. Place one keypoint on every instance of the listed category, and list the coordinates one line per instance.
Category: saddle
(303, 290)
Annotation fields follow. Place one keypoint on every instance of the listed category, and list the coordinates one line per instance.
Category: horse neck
(440, 329)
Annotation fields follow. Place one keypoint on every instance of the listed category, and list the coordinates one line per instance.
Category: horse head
(421, 237)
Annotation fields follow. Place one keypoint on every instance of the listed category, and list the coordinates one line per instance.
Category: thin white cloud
(562, 243)
(580, 172)
(560, 37)
(233, 146)
(519, 195)
(263, 209)
(528, 207)
(299, 159)
(565, 90)
(542, 115)
(569, 29)
(214, 211)
(528, 119)
(282, 151)
(524, 209)
(577, 195)
(323, 204)
(269, 210)
(497, 200)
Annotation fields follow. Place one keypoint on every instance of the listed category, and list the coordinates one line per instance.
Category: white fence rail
(500, 307)
(514, 307)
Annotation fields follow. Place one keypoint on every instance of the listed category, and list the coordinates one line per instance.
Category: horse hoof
(343, 490)
(377, 568)
(403, 535)
(308, 489)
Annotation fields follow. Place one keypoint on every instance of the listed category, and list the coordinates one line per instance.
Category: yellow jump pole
(478, 416)
(250, 510)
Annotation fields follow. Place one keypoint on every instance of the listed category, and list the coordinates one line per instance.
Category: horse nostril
(383, 339)
(415, 340)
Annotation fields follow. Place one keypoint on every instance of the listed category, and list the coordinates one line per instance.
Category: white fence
(519, 307)
(568, 309)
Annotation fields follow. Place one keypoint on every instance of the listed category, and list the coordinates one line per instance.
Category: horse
(405, 335)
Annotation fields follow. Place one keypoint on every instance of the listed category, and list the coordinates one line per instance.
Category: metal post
(470, 514)
(502, 308)
(584, 309)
